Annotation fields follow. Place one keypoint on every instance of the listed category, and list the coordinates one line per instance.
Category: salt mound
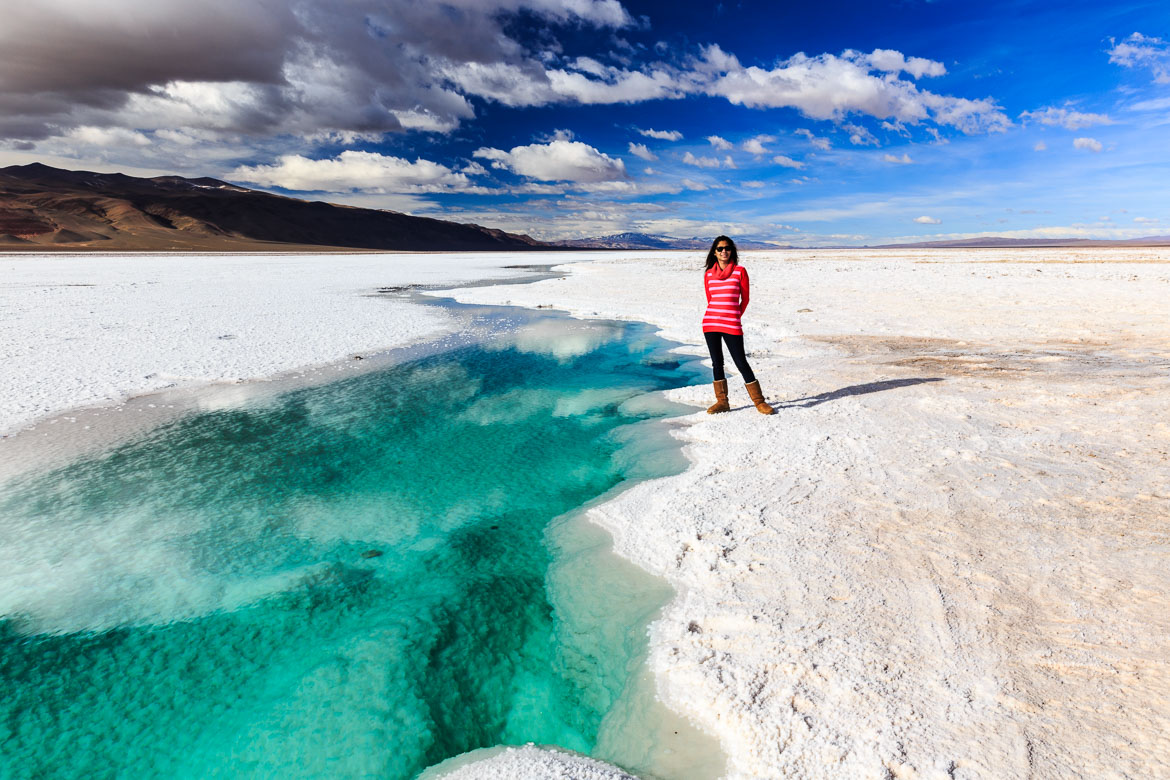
(523, 763)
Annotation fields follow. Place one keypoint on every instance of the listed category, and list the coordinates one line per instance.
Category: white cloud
(616, 86)
(756, 145)
(787, 162)
(708, 162)
(265, 69)
(1145, 220)
(722, 144)
(828, 86)
(1040, 146)
(663, 135)
(890, 61)
(1066, 118)
(817, 143)
(927, 221)
(557, 161)
(641, 150)
(256, 76)
(755, 185)
(563, 134)
(903, 160)
(1092, 144)
(1153, 104)
(860, 136)
(355, 171)
(1143, 51)
(107, 137)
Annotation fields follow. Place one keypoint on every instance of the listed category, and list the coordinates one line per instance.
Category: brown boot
(757, 396)
(721, 404)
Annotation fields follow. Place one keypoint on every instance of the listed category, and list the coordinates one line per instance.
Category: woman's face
(723, 253)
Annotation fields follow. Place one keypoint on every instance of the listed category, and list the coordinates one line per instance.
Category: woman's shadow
(871, 387)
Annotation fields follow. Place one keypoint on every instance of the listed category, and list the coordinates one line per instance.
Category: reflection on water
(352, 579)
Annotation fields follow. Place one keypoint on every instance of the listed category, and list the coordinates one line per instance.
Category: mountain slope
(43, 207)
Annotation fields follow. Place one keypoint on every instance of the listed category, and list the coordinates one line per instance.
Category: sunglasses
(722, 249)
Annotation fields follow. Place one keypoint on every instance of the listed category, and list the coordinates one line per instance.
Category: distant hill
(645, 241)
(50, 208)
(991, 242)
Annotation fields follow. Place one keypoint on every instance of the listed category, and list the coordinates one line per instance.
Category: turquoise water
(357, 579)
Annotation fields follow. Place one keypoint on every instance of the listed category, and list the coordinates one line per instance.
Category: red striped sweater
(726, 300)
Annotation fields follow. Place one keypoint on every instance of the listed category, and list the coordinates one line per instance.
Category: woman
(726, 283)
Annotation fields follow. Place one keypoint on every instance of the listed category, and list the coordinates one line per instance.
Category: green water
(348, 580)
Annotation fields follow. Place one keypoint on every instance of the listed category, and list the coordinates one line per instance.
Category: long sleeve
(707, 288)
(744, 296)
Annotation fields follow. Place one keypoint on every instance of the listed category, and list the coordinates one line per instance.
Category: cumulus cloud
(927, 221)
(817, 143)
(903, 160)
(375, 66)
(787, 162)
(254, 66)
(663, 135)
(1143, 51)
(890, 61)
(1144, 220)
(1092, 144)
(257, 75)
(860, 136)
(720, 143)
(558, 160)
(353, 171)
(708, 162)
(641, 150)
(1065, 117)
(756, 145)
(829, 86)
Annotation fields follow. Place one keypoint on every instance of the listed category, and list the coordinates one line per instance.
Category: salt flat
(80, 330)
(948, 555)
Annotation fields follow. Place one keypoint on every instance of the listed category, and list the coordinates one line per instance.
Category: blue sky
(807, 124)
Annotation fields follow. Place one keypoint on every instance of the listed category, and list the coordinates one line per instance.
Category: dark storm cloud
(259, 66)
(77, 47)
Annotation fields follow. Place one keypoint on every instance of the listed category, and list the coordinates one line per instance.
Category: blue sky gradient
(807, 124)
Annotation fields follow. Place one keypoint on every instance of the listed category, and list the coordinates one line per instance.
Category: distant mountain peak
(633, 240)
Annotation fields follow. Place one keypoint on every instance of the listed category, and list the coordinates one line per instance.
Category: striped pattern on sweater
(726, 300)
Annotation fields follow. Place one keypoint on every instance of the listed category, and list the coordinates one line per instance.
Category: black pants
(735, 347)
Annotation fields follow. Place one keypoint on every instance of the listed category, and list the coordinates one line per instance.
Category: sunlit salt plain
(947, 555)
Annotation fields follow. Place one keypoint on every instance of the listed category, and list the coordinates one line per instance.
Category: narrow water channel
(354, 579)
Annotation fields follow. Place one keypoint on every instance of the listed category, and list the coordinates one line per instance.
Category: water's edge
(669, 746)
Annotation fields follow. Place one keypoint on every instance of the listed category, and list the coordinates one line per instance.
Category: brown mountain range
(44, 208)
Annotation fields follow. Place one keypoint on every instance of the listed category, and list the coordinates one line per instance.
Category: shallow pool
(354, 579)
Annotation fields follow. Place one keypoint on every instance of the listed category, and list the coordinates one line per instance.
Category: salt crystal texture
(947, 554)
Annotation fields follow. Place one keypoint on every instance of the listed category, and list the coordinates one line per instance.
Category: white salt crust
(529, 761)
(84, 330)
(946, 556)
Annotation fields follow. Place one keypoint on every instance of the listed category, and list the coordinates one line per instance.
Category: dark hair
(711, 252)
